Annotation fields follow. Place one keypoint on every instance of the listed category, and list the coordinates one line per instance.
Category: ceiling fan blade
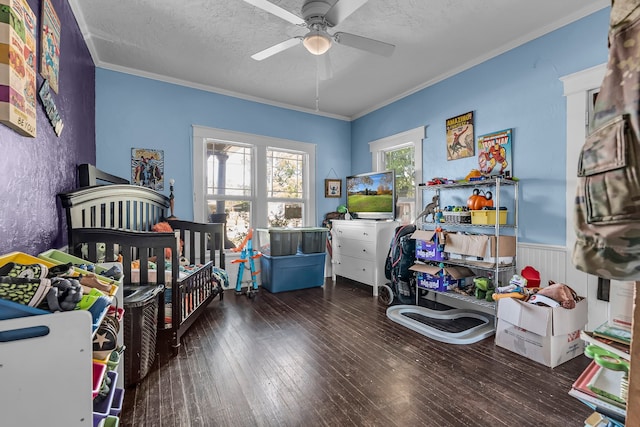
(341, 9)
(270, 51)
(277, 11)
(364, 43)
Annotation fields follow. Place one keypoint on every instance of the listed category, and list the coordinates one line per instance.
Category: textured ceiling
(208, 44)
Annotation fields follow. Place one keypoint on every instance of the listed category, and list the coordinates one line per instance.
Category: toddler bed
(106, 222)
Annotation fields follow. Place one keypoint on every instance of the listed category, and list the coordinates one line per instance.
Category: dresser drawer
(356, 269)
(356, 232)
(355, 248)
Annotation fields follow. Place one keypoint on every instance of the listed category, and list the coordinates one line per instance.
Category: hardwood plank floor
(330, 357)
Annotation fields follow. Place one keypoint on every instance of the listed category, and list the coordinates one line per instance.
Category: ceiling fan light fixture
(317, 42)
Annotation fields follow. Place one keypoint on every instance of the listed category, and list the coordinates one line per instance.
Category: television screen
(372, 195)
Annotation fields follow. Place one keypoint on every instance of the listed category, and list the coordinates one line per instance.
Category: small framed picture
(332, 188)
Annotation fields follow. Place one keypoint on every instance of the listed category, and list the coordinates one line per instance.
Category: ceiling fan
(317, 16)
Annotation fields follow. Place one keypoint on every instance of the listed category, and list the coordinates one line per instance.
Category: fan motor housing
(315, 8)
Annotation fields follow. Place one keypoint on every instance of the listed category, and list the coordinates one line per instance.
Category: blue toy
(247, 256)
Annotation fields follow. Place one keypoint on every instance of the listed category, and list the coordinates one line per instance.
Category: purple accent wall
(34, 170)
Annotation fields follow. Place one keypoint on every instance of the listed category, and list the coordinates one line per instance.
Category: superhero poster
(460, 136)
(147, 168)
(494, 153)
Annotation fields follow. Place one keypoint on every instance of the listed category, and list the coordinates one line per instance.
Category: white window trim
(202, 134)
(577, 87)
(413, 137)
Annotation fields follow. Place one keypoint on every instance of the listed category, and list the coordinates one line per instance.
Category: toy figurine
(430, 209)
(439, 216)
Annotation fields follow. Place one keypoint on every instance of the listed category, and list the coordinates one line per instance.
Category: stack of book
(599, 387)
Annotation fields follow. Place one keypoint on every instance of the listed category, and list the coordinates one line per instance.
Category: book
(586, 378)
(606, 409)
(619, 349)
(611, 332)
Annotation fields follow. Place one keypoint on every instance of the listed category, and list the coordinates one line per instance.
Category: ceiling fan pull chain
(317, 84)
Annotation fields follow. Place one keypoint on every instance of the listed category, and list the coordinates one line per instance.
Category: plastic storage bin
(278, 241)
(288, 273)
(58, 257)
(457, 217)
(313, 240)
(140, 330)
(488, 217)
(13, 310)
(99, 371)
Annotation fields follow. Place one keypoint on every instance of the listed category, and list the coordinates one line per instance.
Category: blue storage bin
(12, 310)
(289, 273)
(102, 405)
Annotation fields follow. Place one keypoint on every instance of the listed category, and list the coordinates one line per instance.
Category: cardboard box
(480, 247)
(621, 304)
(550, 336)
(429, 245)
(440, 278)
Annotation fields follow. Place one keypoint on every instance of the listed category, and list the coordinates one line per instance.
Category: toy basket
(457, 217)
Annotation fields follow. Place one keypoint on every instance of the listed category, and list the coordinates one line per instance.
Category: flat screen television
(372, 195)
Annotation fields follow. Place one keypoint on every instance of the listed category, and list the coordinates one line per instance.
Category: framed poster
(147, 168)
(50, 45)
(460, 136)
(332, 188)
(494, 153)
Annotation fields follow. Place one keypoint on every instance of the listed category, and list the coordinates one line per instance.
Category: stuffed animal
(561, 293)
(164, 227)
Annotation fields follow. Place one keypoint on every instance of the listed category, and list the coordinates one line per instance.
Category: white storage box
(550, 336)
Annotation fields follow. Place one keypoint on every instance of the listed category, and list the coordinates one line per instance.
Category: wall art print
(50, 108)
(18, 37)
(50, 45)
(333, 187)
(460, 136)
(147, 168)
(494, 153)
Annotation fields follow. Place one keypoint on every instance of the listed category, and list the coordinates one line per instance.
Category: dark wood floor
(330, 357)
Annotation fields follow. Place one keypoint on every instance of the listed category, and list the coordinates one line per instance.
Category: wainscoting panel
(550, 261)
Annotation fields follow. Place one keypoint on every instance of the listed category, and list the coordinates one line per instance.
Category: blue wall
(519, 89)
(142, 113)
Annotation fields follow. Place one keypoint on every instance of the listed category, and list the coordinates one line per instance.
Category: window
(399, 152)
(254, 181)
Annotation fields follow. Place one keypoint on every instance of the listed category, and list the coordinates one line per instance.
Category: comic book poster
(460, 136)
(494, 153)
(147, 168)
(50, 45)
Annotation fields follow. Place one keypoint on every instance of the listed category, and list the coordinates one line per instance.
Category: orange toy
(480, 199)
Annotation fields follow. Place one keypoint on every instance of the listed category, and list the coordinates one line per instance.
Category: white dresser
(360, 248)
